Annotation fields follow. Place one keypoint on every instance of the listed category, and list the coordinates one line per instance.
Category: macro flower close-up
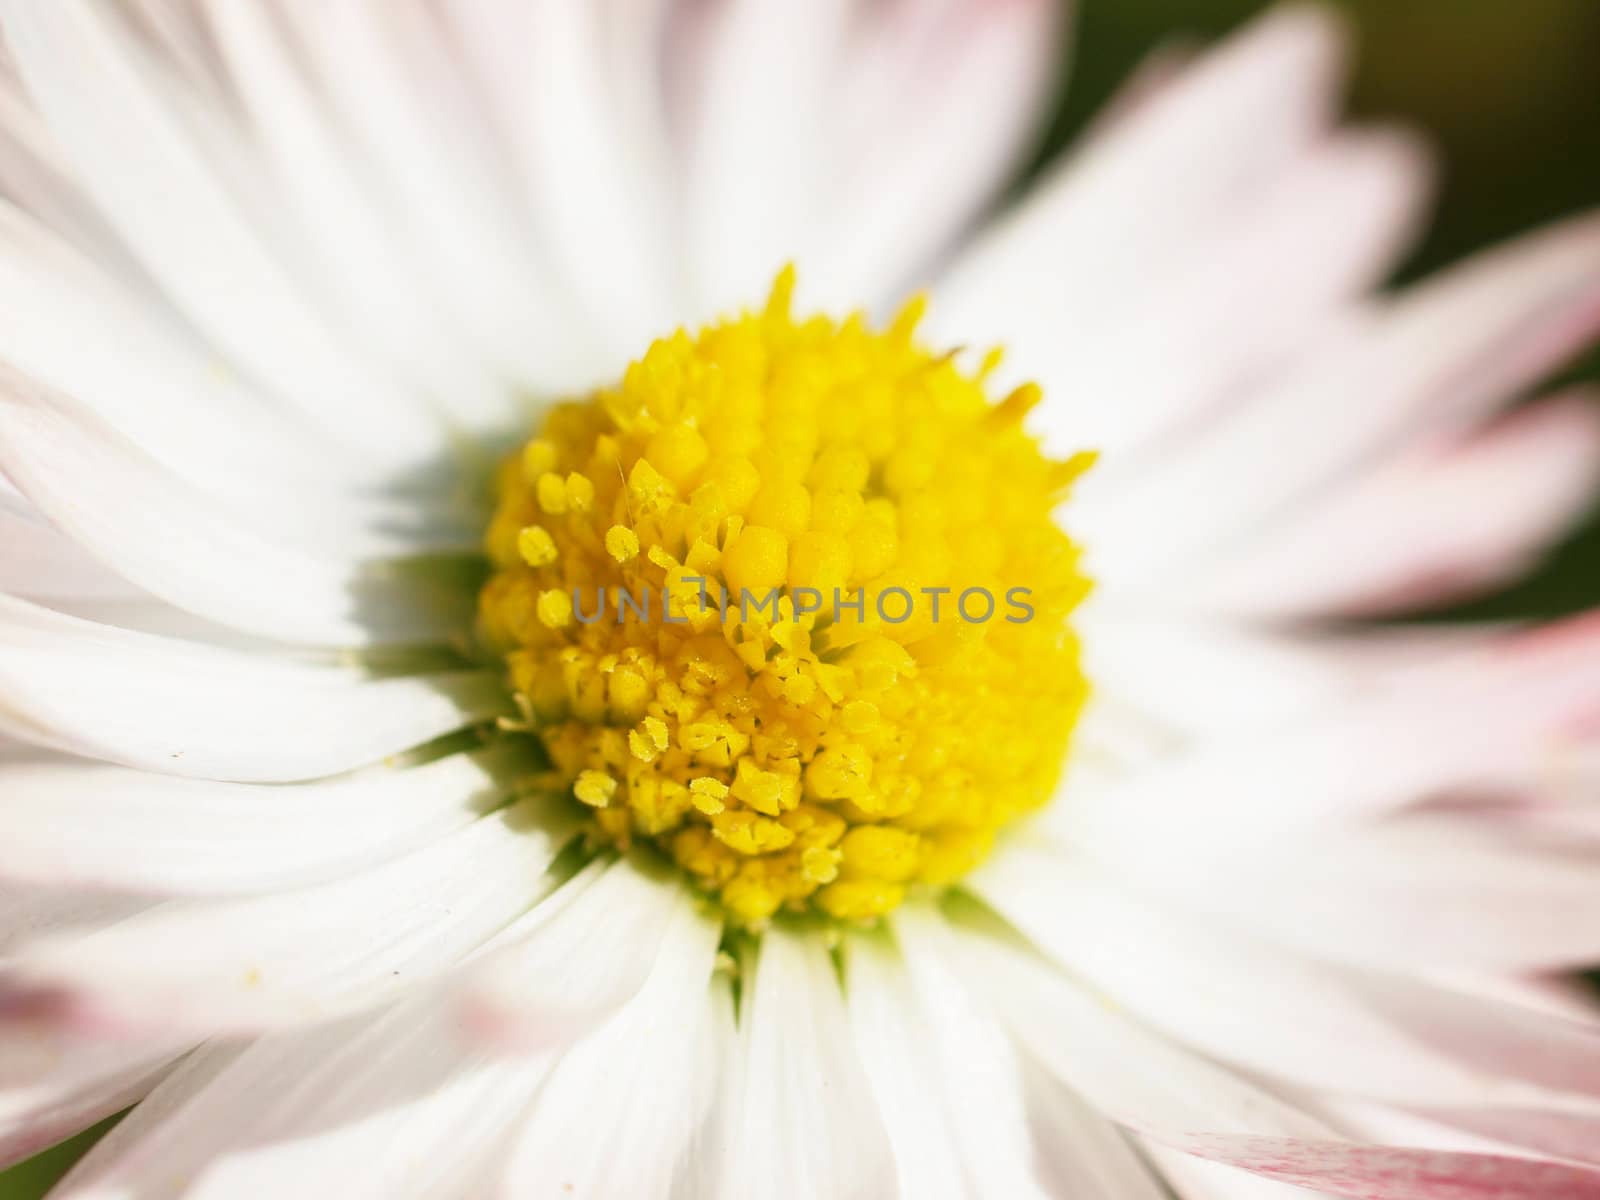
(626, 598)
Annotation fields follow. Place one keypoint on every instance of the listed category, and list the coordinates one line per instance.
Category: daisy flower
(476, 712)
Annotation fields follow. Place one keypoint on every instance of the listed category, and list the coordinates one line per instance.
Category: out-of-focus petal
(30, 912)
(355, 244)
(199, 554)
(1185, 1103)
(179, 212)
(286, 958)
(382, 1108)
(955, 89)
(74, 823)
(1089, 1045)
(50, 1088)
(1240, 306)
(1102, 242)
(1429, 890)
(1207, 986)
(1492, 716)
(855, 140)
(391, 71)
(1560, 1135)
(1194, 1178)
(577, 90)
(1390, 1173)
(1082, 1154)
(40, 561)
(1434, 362)
(182, 708)
(1443, 521)
(152, 380)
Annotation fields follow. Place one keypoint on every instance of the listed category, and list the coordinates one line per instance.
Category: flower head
(750, 797)
(751, 600)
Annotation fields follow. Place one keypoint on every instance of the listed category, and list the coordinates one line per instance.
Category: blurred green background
(1509, 90)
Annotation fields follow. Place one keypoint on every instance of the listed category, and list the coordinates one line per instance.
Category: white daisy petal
(1436, 890)
(386, 1108)
(892, 1042)
(193, 1072)
(1193, 1178)
(151, 379)
(1567, 997)
(1081, 1153)
(49, 1091)
(35, 178)
(152, 382)
(860, 204)
(575, 959)
(141, 613)
(1438, 360)
(151, 176)
(53, 1083)
(1385, 1125)
(30, 912)
(976, 1074)
(1245, 303)
(185, 709)
(955, 90)
(1106, 222)
(178, 29)
(598, 1126)
(1209, 679)
(353, 233)
(91, 825)
(300, 956)
(702, 1165)
(156, 390)
(192, 551)
(1391, 1173)
(1502, 1039)
(856, 132)
(1126, 1072)
(1491, 716)
(1186, 1104)
(567, 79)
(754, 150)
(1560, 1135)
(345, 1097)
(386, 67)
(800, 1120)
(1413, 532)
(1219, 991)
(1161, 685)
(40, 561)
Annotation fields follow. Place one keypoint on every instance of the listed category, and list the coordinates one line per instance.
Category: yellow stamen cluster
(786, 754)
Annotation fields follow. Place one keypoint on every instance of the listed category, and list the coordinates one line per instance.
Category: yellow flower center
(789, 603)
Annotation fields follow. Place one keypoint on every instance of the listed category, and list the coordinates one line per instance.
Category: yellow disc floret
(789, 601)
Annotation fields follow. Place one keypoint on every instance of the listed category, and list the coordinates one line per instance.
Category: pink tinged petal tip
(1386, 1173)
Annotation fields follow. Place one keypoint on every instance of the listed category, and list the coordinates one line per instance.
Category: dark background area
(1510, 91)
